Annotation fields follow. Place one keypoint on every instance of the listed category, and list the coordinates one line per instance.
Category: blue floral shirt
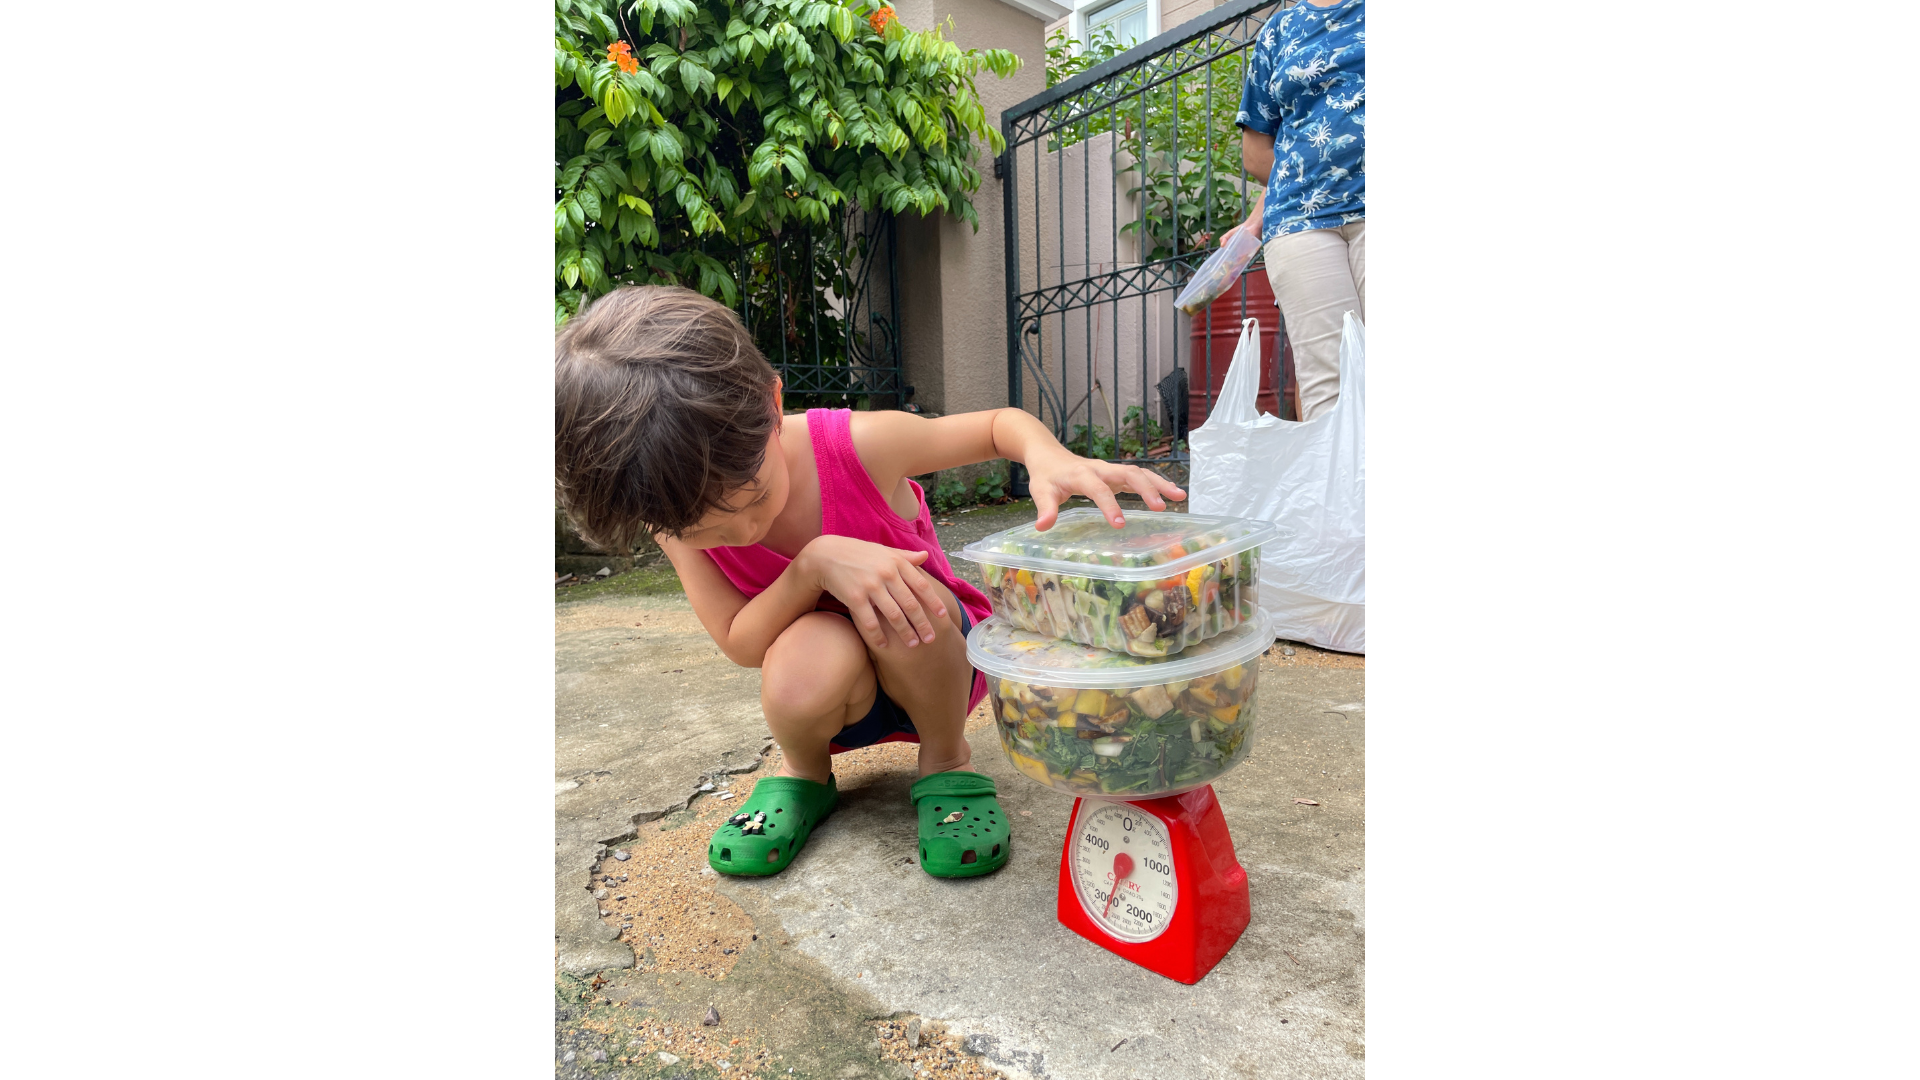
(1307, 87)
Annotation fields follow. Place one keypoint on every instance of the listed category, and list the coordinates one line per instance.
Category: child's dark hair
(663, 407)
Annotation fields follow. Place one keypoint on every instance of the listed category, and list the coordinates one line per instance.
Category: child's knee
(812, 667)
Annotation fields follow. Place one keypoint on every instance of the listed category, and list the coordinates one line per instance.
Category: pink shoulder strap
(849, 505)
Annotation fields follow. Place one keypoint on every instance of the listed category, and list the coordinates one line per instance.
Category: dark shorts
(886, 721)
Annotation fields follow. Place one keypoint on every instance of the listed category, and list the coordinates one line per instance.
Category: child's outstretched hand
(1057, 475)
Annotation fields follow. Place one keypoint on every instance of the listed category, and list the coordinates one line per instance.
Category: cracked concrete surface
(645, 707)
(646, 712)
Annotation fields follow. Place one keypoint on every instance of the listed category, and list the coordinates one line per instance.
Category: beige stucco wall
(952, 279)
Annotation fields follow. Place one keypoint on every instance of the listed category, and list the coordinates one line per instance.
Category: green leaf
(599, 138)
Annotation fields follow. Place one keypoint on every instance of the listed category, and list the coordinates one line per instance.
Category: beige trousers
(1317, 277)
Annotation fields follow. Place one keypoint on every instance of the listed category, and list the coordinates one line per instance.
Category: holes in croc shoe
(778, 810)
(996, 849)
(774, 855)
(923, 854)
(969, 857)
(726, 854)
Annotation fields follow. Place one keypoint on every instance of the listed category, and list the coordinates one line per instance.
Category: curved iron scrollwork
(1050, 400)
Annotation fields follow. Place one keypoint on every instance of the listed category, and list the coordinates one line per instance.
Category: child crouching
(806, 551)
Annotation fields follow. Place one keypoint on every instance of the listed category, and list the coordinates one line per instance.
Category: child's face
(754, 507)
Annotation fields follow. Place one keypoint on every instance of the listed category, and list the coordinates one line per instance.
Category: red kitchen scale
(1155, 881)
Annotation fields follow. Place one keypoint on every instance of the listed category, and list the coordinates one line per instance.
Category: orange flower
(622, 56)
(879, 20)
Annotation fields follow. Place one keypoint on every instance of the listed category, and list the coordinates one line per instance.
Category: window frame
(1077, 23)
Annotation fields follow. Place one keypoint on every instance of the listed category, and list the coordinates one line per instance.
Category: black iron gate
(1145, 141)
(824, 306)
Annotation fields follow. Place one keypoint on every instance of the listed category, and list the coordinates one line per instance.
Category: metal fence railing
(823, 304)
(1117, 181)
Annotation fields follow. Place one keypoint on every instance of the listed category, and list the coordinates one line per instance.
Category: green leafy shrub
(1091, 441)
(1193, 185)
(949, 494)
(683, 124)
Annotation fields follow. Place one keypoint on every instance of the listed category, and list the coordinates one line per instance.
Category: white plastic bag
(1310, 479)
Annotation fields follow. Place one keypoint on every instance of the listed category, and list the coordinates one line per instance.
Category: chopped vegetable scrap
(1123, 737)
(1088, 582)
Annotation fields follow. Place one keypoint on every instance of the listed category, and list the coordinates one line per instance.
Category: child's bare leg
(931, 681)
(815, 680)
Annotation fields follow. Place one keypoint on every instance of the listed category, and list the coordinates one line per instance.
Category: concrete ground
(648, 711)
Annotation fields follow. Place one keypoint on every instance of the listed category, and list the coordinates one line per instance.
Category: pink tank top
(851, 506)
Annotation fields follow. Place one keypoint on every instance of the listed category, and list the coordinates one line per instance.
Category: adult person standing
(1303, 127)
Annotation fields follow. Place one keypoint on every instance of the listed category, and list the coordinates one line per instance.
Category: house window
(1126, 18)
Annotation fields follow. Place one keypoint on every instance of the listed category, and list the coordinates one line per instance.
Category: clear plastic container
(1220, 271)
(1153, 587)
(1091, 722)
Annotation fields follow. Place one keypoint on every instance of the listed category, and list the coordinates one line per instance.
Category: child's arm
(876, 583)
(895, 445)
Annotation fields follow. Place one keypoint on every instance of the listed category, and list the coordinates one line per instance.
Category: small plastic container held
(1221, 270)
(1088, 721)
(1154, 587)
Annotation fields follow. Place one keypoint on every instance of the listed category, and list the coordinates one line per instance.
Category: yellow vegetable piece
(1067, 718)
(1008, 710)
(1023, 577)
(1030, 766)
(1091, 702)
(1225, 713)
(1232, 677)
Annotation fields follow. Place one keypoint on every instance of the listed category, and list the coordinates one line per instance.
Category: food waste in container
(1221, 271)
(1153, 587)
(1088, 721)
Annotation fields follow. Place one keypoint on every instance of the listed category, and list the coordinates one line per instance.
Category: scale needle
(1122, 866)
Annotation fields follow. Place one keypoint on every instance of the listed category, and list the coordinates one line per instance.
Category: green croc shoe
(963, 829)
(771, 826)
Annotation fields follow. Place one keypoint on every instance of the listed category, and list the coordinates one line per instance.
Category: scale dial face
(1142, 907)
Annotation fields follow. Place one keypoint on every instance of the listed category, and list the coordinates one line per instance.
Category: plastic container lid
(1221, 270)
(1150, 546)
(1004, 651)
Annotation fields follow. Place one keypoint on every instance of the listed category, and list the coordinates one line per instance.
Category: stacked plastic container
(1123, 663)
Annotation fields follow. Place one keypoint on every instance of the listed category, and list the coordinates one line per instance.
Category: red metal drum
(1220, 323)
